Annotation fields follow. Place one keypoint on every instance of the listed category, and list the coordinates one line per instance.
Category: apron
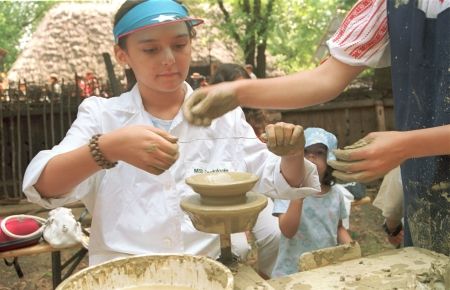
(420, 58)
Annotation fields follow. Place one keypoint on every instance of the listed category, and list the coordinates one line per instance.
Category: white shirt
(135, 212)
(363, 37)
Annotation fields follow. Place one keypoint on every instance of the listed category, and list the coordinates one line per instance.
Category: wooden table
(57, 265)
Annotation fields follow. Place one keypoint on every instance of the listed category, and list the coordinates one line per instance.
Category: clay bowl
(153, 272)
(217, 187)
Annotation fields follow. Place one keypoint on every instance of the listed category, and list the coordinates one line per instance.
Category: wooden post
(381, 120)
(115, 87)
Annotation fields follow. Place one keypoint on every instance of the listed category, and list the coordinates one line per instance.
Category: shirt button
(167, 242)
(167, 186)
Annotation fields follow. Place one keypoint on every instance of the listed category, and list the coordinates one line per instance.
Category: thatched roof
(72, 37)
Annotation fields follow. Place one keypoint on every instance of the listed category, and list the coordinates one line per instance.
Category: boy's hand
(284, 139)
(148, 148)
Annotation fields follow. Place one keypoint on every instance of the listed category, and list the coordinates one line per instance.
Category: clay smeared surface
(408, 268)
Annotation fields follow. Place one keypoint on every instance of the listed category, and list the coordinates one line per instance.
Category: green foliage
(291, 33)
(18, 18)
(249, 23)
(300, 27)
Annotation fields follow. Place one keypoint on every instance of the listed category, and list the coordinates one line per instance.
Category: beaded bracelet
(98, 155)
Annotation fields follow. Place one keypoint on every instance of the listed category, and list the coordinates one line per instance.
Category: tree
(249, 24)
(289, 29)
(17, 18)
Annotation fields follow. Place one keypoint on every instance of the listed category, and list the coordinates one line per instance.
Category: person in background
(227, 72)
(55, 87)
(390, 201)
(249, 69)
(127, 157)
(92, 86)
(197, 80)
(312, 223)
(411, 36)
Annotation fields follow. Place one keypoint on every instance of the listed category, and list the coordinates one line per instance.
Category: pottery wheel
(224, 219)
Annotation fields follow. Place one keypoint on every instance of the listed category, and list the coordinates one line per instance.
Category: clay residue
(358, 144)
(193, 272)
(437, 277)
(398, 3)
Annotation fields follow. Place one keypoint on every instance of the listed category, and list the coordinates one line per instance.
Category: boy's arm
(343, 237)
(288, 141)
(290, 221)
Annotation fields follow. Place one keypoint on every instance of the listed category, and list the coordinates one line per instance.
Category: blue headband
(152, 12)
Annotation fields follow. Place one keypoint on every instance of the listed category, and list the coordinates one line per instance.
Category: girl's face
(159, 56)
(317, 154)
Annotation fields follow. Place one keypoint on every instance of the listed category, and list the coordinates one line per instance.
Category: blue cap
(319, 135)
(150, 13)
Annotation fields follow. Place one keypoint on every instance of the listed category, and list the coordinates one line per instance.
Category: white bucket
(177, 272)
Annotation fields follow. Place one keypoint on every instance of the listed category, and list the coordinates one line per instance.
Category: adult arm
(379, 152)
(298, 90)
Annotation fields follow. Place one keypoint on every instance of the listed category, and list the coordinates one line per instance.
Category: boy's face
(159, 56)
(317, 154)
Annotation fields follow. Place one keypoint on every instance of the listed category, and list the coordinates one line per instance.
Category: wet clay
(224, 219)
(408, 268)
(222, 184)
(326, 256)
(358, 144)
(224, 205)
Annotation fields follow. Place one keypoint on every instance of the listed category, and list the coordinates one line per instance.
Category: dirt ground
(365, 227)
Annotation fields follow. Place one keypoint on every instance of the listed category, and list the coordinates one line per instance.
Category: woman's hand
(369, 158)
(208, 103)
(148, 148)
(284, 139)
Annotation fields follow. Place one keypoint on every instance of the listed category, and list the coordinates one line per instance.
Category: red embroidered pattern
(359, 8)
(360, 51)
(381, 5)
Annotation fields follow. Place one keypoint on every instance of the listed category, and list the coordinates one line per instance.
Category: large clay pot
(153, 272)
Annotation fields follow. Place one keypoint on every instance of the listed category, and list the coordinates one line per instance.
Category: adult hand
(369, 158)
(145, 147)
(284, 139)
(208, 103)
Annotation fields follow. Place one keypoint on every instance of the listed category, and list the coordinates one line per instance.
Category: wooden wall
(348, 120)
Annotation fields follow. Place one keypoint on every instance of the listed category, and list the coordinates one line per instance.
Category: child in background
(315, 222)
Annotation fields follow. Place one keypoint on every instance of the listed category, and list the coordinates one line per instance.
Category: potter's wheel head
(225, 219)
(222, 184)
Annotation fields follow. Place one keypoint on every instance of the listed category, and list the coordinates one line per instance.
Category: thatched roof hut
(72, 37)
